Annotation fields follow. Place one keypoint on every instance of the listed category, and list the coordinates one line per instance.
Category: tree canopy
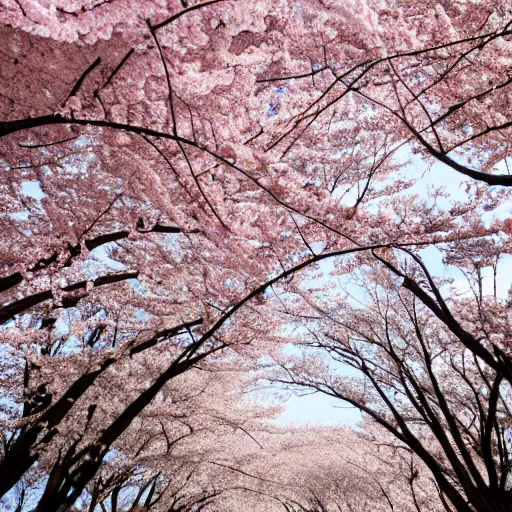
(207, 205)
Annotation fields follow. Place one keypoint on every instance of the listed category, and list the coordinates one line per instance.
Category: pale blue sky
(321, 409)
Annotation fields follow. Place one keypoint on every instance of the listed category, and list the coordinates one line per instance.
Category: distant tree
(297, 470)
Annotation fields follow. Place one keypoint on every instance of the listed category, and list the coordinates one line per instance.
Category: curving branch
(81, 79)
(75, 292)
(311, 112)
(9, 127)
(11, 280)
(158, 26)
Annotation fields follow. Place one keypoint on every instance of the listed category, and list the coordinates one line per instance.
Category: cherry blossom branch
(117, 68)
(167, 77)
(200, 188)
(158, 26)
(83, 9)
(69, 300)
(20, 454)
(169, 163)
(9, 281)
(451, 421)
(24, 124)
(441, 155)
(164, 334)
(90, 458)
(491, 179)
(47, 144)
(283, 275)
(237, 470)
(81, 79)
(442, 312)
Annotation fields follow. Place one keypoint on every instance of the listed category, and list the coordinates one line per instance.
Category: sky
(320, 409)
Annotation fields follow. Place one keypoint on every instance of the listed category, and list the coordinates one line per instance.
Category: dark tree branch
(118, 68)
(75, 250)
(15, 308)
(158, 26)
(79, 82)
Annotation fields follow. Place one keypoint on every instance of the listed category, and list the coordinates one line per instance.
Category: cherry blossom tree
(171, 170)
(430, 370)
(162, 462)
(364, 475)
